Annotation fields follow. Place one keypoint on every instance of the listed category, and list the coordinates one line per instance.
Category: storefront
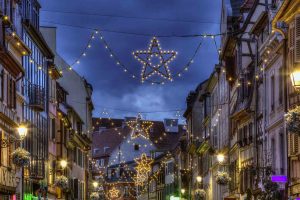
(8, 184)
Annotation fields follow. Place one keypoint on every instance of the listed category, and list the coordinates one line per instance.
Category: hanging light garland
(84, 52)
(166, 75)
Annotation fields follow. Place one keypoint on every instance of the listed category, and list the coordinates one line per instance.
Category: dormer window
(136, 147)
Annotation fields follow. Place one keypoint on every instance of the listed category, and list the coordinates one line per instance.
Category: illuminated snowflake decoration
(114, 193)
(155, 61)
(140, 128)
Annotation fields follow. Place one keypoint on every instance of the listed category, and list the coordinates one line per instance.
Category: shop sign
(279, 179)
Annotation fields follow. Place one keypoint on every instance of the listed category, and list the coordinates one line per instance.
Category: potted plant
(62, 182)
(292, 119)
(94, 196)
(200, 193)
(222, 178)
(20, 157)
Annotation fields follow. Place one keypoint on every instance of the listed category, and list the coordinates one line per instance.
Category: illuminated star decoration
(114, 193)
(155, 61)
(143, 168)
(139, 127)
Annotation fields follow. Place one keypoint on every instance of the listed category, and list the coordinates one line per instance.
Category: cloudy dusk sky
(128, 25)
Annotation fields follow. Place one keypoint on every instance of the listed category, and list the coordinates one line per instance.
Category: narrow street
(150, 100)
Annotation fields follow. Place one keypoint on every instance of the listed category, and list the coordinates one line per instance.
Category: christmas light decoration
(155, 59)
(114, 192)
(143, 165)
(133, 75)
(139, 127)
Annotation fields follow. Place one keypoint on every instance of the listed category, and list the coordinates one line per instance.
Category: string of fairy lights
(98, 34)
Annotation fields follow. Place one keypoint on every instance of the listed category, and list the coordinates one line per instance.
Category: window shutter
(291, 44)
(296, 144)
(297, 39)
(290, 144)
(53, 128)
(76, 187)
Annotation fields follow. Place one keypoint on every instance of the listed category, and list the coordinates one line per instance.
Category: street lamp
(95, 184)
(220, 158)
(22, 130)
(63, 164)
(295, 77)
(199, 179)
(182, 191)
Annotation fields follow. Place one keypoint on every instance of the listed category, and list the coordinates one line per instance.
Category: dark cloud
(112, 87)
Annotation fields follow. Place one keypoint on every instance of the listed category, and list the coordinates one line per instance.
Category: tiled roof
(106, 122)
(105, 141)
(112, 137)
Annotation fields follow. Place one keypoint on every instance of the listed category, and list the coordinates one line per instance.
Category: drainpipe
(285, 72)
(256, 99)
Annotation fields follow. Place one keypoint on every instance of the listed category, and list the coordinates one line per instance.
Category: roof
(106, 122)
(192, 97)
(108, 140)
(112, 137)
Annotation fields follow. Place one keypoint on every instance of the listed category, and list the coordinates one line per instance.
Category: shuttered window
(297, 39)
(272, 93)
(291, 44)
(2, 85)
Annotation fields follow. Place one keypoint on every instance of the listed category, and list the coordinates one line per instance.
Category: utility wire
(138, 34)
(131, 111)
(130, 17)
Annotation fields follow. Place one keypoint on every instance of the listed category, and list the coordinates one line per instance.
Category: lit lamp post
(22, 131)
(199, 180)
(295, 78)
(220, 158)
(182, 192)
(95, 184)
(63, 164)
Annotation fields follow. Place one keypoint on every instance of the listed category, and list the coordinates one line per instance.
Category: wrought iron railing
(36, 94)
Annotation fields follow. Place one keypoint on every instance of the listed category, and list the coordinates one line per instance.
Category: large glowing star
(140, 128)
(155, 61)
(114, 193)
(143, 164)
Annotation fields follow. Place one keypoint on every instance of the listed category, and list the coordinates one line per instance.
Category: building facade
(244, 130)
(13, 49)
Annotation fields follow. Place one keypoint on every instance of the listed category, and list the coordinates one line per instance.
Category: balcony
(36, 95)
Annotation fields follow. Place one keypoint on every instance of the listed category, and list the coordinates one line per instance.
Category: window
(1, 84)
(79, 127)
(126, 191)
(273, 153)
(215, 136)
(280, 83)
(96, 150)
(53, 129)
(250, 133)
(272, 84)
(245, 135)
(170, 168)
(31, 12)
(136, 147)
(102, 162)
(10, 91)
(282, 150)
